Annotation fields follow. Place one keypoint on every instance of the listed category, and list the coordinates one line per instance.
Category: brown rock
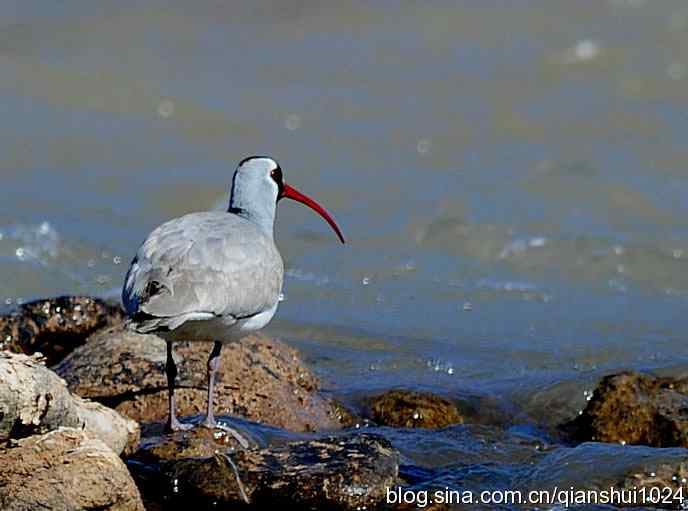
(634, 408)
(260, 378)
(600, 466)
(159, 446)
(55, 326)
(409, 409)
(551, 404)
(347, 417)
(666, 485)
(66, 469)
(34, 400)
(336, 473)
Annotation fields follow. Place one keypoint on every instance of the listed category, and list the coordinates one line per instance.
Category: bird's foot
(173, 425)
(210, 423)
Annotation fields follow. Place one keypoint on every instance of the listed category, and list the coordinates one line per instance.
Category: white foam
(31, 242)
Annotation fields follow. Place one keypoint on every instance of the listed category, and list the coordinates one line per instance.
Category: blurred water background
(511, 176)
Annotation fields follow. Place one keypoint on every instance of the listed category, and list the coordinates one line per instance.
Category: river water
(511, 176)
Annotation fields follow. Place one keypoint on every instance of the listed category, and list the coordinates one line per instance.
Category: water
(511, 176)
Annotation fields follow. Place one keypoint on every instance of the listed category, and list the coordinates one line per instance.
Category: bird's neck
(261, 213)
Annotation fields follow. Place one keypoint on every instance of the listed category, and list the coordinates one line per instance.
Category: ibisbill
(214, 276)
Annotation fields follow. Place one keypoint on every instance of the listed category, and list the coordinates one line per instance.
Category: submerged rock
(348, 417)
(55, 326)
(464, 460)
(601, 466)
(666, 484)
(34, 400)
(259, 378)
(549, 405)
(409, 409)
(66, 469)
(338, 473)
(634, 408)
(200, 442)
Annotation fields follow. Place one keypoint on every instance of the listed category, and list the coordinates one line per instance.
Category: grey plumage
(213, 276)
(202, 265)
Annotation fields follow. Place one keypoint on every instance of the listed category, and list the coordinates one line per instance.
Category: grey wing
(200, 266)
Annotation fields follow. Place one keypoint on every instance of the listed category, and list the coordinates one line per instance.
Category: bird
(213, 276)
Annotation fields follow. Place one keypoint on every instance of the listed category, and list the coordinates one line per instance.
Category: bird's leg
(173, 423)
(209, 422)
(213, 363)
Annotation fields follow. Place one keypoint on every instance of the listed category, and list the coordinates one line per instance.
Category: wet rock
(635, 408)
(339, 473)
(409, 409)
(550, 405)
(468, 444)
(486, 409)
(260, 378)
(34, 400)
(487, 463)
(159, 446)
(347, 417)
(465, 458)
(598, 466)
(55, 326)
(66, 469)
(667, 484)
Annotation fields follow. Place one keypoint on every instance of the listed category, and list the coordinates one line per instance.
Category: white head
(253, 182)
(257, 186)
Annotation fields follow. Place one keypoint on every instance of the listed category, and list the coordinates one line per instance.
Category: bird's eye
(276, 175)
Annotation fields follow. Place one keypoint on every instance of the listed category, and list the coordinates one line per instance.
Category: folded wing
(200, 266)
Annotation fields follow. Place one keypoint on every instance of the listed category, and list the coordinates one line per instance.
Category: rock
(119, 433)
(34, 400)
(668, 482)
(549, 405)
(634, 408)
(409, 409)
(465, 458)
(55, 326)
(339, 473)
(468, 444)
(347, 417)
(159, 446)
(260, 378)
(66, 469)
(599, 466)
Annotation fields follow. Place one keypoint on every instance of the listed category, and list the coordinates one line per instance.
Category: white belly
(219, 328)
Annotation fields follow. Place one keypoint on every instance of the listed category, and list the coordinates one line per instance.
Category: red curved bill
(294, 194)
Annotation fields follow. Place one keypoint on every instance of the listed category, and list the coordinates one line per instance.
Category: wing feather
(203, 263)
